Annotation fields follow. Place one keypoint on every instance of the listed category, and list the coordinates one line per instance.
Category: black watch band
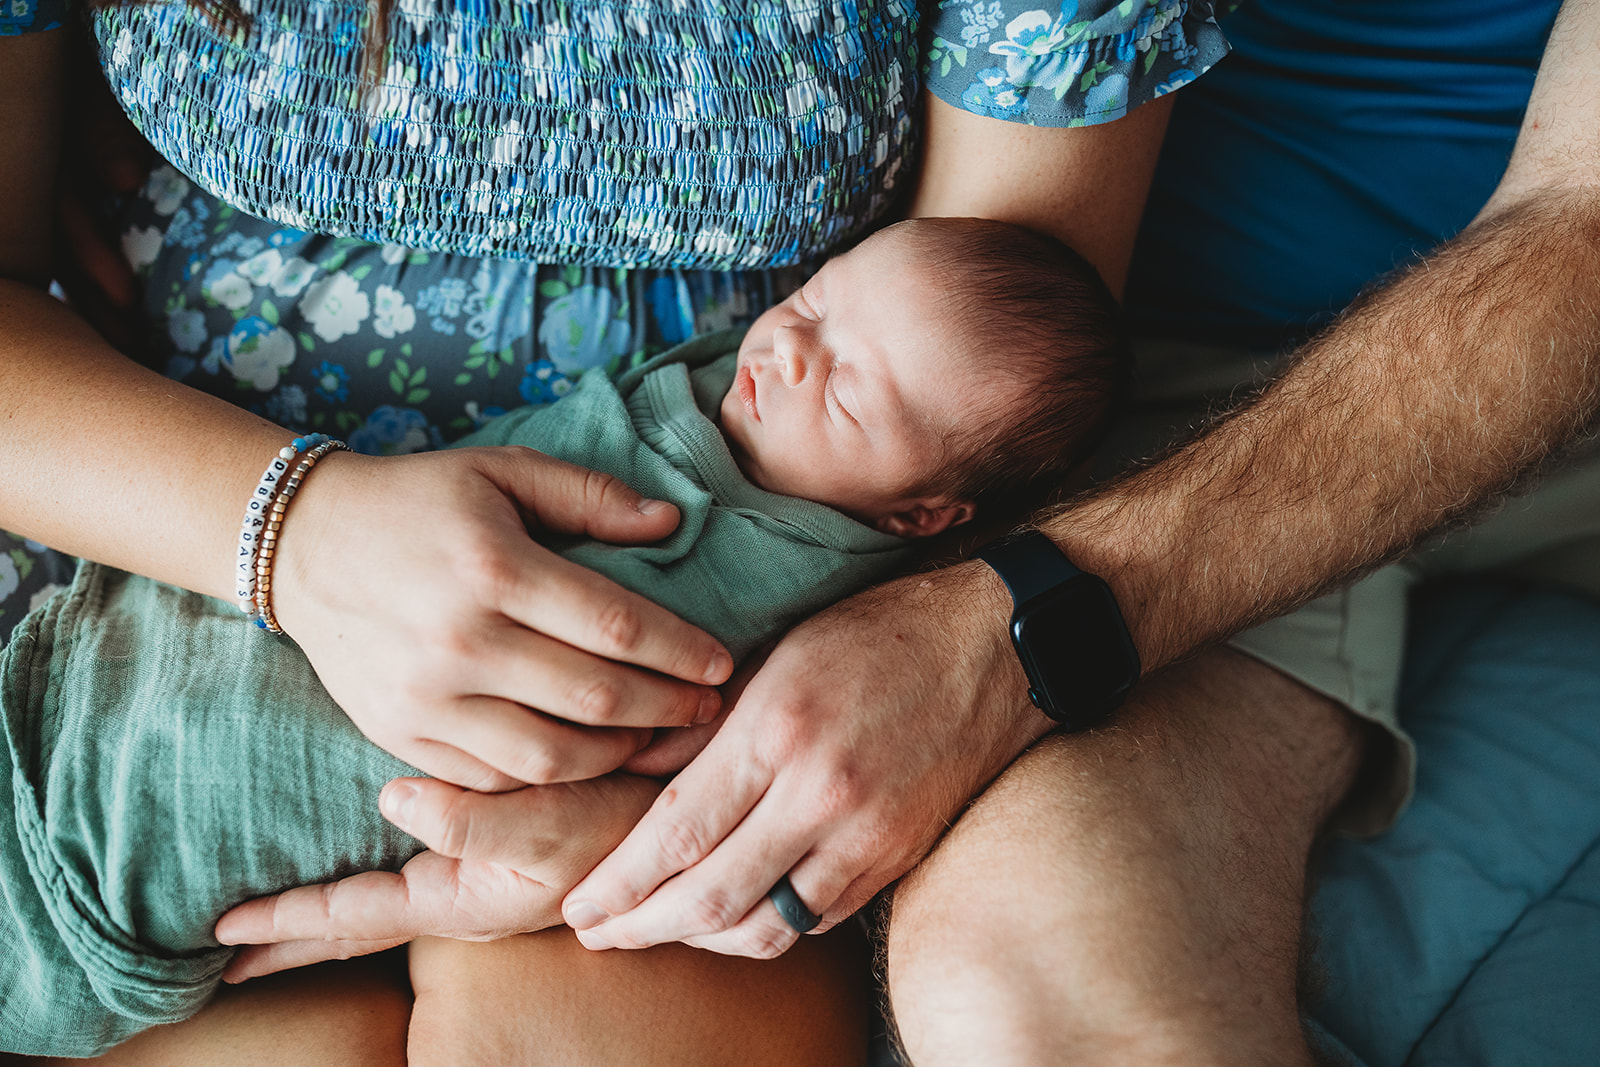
(1029, 563)
(1067, 629)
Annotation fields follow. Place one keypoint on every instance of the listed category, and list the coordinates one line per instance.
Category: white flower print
(294, 276)
(123, 50)
(391, 314)
(261, 268)
(335, 306)
(417, 12)
(507, 148)
(9, 578)
(40, 595)
(187, 327)
(393, 254)
(165, 189)
(257, 351)
(230, 290)
(141, 246)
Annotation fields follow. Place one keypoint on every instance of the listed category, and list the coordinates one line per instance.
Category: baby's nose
(787, 351)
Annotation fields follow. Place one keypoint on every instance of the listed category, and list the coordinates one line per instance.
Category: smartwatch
(1067, 630)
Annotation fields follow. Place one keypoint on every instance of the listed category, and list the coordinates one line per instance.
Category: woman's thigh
(352, 1013)
(543, 998)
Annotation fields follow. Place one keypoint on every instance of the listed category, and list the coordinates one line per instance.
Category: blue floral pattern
(1078, 64)
(393, 348)
(356, 297)
(29, 16)
(644, 133)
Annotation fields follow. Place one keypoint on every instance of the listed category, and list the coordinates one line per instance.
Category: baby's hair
(1042, 315)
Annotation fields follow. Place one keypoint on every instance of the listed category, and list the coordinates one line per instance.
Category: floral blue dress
(532, 189)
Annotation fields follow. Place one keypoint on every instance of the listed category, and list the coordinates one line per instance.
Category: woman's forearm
(1431, 397)
(107, 459)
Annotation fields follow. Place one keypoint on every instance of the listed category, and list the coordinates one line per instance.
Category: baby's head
(939, 367)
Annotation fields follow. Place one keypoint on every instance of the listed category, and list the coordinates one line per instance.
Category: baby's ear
(927, 518)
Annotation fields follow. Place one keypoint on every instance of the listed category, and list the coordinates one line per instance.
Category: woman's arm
(1085, 187)
(413, 585)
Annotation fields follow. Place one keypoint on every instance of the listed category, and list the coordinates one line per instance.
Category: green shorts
(1349, 645)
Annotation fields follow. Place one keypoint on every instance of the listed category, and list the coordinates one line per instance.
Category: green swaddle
(168, 760)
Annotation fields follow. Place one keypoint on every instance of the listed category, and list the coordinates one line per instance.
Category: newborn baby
(167, 761)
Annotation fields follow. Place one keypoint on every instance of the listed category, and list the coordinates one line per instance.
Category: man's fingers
(722, 890)
(687, 821)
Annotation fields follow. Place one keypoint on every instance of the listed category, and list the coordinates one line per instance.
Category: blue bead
(299, 444)
(261, 624)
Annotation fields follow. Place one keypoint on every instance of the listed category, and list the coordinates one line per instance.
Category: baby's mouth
(746, 384)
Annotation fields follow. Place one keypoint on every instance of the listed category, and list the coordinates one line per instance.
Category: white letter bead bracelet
(263, 518)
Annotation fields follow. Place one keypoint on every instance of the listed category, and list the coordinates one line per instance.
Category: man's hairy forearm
(1431, 397)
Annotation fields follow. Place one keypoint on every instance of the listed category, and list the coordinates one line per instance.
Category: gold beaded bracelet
(269, 536)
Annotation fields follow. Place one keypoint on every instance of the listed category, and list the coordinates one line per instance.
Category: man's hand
(499, 865)
(456, 641)
(841, 764)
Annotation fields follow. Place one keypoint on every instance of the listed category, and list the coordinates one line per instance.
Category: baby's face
(846, 391)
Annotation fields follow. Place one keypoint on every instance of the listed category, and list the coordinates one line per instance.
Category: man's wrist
(1067, 630)
(987, 606)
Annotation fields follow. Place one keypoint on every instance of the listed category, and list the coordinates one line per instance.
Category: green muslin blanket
(167, 760)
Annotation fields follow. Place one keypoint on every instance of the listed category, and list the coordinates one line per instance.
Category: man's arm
(1431, 397)
(1434, 395)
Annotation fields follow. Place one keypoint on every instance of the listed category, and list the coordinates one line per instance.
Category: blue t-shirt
(1338, 139)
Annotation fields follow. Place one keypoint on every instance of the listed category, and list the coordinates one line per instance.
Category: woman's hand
(457, 642)
(539, 841)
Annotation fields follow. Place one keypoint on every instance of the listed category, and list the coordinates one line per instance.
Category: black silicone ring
(792, 908)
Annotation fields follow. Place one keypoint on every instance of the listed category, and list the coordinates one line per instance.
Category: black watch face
(1077, 652)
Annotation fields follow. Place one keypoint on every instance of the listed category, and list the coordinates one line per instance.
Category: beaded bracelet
(269, 536)
(255, 518)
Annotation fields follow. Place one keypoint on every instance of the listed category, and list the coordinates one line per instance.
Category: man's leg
(1133, 895)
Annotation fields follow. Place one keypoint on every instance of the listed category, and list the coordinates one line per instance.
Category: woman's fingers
(576, 606)
(539, 672)
(553, 834)
(528, 748)
(572, 603)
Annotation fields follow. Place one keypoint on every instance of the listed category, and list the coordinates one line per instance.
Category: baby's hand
(460, 644)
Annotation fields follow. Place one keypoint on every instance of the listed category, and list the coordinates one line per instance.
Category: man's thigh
(1136, 891)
